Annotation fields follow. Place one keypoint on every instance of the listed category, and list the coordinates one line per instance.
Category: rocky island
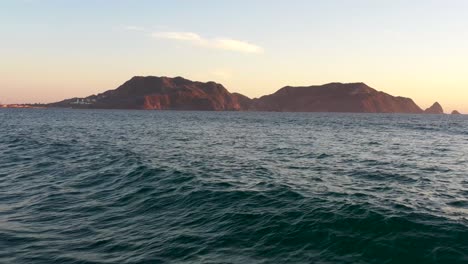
(164, 93)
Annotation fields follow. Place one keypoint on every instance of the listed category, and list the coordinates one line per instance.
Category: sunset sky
(52, 50)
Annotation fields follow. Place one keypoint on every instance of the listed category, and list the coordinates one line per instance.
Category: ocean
(115, 186)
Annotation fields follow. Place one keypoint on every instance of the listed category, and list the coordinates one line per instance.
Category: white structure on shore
(83, 101)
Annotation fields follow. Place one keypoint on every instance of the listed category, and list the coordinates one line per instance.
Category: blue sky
(56, 49)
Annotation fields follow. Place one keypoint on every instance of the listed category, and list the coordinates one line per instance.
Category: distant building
(83, 101)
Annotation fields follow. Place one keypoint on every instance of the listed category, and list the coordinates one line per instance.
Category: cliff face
(436, 108)
(334, 97)
(160, 93)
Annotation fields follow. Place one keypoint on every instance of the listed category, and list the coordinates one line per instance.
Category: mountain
(160, 93)
(436, 108)
(334, 97)
(164, 93)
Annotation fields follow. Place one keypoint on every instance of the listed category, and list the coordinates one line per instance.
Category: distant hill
(164, 93)
(334, 97)
(160, 93)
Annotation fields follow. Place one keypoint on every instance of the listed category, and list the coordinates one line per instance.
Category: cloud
(134, 28)
(237, 45)
(215, 43)
(184, 36)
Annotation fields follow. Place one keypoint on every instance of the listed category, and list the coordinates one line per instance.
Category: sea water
(112, 186)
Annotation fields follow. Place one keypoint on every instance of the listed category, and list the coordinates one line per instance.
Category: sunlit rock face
(161, 93)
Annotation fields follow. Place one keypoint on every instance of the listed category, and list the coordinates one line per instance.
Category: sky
(52, 49)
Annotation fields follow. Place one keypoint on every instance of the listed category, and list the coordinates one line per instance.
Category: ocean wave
(172, 187)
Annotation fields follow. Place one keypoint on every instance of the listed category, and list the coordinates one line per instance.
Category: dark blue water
(232, 187)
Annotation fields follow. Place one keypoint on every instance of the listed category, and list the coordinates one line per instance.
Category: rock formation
(455, 112)
(436, 108)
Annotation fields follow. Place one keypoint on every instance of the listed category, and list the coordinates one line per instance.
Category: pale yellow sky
(42, 80)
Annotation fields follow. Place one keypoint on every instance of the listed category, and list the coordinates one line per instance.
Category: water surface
(102, 186)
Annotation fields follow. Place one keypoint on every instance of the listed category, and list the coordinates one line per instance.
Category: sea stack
(435, 109)
(455, 112)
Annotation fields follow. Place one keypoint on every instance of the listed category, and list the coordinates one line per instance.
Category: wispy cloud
(236, 45)
(184, 36)
(215, 43)
(134, 28)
